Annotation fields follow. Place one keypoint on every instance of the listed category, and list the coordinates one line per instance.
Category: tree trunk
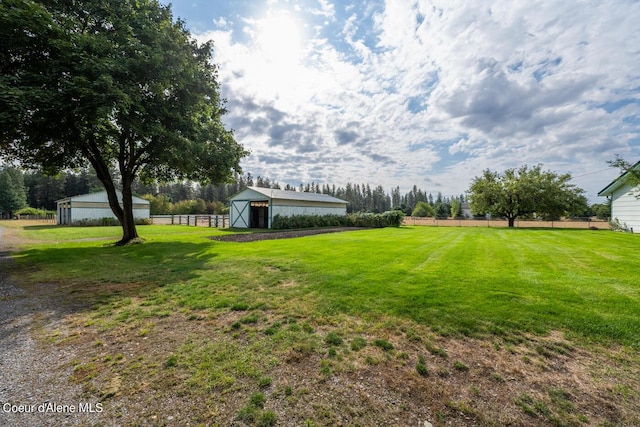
(512, 221)
(129, 231)
(124, 213)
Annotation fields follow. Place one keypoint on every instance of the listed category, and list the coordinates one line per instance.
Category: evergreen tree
(13, 195)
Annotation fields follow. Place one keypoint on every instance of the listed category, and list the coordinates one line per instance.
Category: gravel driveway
(35, 385)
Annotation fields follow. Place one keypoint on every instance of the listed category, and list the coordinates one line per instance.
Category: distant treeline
(193, 198)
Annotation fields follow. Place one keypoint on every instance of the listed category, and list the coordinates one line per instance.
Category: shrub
(107, 221)
(368, 220)
(423, 209)
(41, 213)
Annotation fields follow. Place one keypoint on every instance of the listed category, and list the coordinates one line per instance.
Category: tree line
(19, 189)
(186, 197)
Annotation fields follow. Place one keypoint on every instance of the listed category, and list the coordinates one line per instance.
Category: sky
(426, 92)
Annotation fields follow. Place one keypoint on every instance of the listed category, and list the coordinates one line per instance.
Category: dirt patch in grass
(288, 234)
(244, 367)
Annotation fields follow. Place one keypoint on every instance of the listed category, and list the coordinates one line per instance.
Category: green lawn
(468, 281)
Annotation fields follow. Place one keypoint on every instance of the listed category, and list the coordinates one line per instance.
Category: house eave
(617, 183)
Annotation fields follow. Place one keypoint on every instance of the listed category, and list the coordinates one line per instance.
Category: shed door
(239, 213)
(260, 214)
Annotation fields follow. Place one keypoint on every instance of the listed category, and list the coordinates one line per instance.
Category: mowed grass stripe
(456, 280)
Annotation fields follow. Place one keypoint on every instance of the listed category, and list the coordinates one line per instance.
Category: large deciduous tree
(525, 191)
(113, 84)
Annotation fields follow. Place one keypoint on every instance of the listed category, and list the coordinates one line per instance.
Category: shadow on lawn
(98, 276)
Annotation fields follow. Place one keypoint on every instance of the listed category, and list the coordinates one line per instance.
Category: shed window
(259, 204)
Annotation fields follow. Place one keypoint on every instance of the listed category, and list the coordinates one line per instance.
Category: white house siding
(625, 207)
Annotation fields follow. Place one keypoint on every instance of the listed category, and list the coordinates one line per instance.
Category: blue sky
(431, 93)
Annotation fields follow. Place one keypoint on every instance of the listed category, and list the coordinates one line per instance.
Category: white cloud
(435, 90)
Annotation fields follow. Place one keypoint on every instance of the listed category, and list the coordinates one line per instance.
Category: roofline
(67, 199)
(265, 190)
(619, 181)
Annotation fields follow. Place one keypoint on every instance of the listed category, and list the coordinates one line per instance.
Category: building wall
(289, 210)
(625, 207)
(99, 212)
(91, 207)
(240, 210)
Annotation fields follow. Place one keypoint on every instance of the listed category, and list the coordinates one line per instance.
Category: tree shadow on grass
(41, 227)
(84, 279)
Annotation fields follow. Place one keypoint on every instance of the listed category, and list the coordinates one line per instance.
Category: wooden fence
(48, 218)
(217, 221)
(448, 222)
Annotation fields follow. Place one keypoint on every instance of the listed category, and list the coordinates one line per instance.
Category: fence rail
(463, 222)
(216, 221)
(48, 218)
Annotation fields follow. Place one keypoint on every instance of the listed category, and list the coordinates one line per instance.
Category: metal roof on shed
(100, 196)
(292, 195)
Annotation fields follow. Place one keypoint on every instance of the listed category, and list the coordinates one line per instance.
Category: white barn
(255, 207)
(625, 206)
(95, 206)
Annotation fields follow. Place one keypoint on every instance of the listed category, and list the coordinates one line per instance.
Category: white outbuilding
(255, 207)
(625, 204)
(95, 206)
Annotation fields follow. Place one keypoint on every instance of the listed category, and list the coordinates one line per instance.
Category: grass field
(459, 308)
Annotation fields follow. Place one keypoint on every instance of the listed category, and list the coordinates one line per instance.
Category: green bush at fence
(34, 212)
(106, 221)
(386, 219)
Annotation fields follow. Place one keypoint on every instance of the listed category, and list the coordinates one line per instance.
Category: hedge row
(387, 219)
(109, 222)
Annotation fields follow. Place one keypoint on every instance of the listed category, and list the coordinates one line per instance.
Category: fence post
(216, 221)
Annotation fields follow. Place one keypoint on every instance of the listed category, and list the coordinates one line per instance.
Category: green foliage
(423, 209)
(456, 208)
(12, 191)
(602, 210)
(526, 191)
(107, 222)
(630, 173)
(111, 83)
(34, 212)
(386, 219)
